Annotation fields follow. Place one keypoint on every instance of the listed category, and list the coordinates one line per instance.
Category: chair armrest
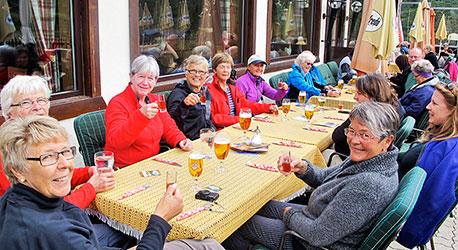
(331, 156)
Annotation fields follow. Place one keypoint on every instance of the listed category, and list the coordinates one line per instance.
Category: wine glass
(321, 101)
(245, 121)
(285, 107)
(161, 103)
(207, 135)
(309, 110)
(103, 159)
(302, 97)
(221, 147)
(195, 167)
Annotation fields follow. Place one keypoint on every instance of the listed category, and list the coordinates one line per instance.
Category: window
(171, 30)
(292, 27)
(58, 40)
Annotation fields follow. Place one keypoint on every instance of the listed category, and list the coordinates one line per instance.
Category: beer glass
(309, 111)
(321, 101)
(302, 97)
(285, 107)
(103, 159)
(245, 121)
(221, 147)
(195, 166)
(207, 135)
(340, 84)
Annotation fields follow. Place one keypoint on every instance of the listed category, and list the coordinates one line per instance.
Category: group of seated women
(39, 173)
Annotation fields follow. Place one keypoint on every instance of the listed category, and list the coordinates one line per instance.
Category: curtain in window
(7, 28)
(210, 26)
(25, 13)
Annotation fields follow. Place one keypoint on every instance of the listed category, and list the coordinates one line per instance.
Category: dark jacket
(400, 80)
(29, 220)
(417, 98)
(189, 119)
(431, 57)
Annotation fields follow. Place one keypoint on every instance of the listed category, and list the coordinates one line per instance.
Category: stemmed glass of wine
(285, 107)
(245, 122)
(207, 135)
(221, 147)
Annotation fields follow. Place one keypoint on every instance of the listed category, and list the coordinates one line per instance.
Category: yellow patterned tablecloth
(346, 98)
(244, 191)
(293, 128)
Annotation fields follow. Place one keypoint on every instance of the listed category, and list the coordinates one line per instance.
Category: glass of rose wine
(203, 96)
(103, 159)
(221, 147)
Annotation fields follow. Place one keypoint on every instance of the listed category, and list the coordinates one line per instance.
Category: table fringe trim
(126, 229)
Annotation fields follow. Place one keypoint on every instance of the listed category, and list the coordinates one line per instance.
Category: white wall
(114, 44)
(261, 28)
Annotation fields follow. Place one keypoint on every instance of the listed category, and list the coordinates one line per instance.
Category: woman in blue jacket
(439, 159)
(306, 77)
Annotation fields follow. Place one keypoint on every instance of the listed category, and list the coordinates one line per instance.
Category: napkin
(288, 144)
(316, 129)
(173, 163)
(334, 118)
(262, 119)
(266, 167)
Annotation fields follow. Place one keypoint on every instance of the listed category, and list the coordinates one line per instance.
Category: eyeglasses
(49, 159)
(27, 103)
(221, 66)
(363, 136)
(197, 72)
(308, 63)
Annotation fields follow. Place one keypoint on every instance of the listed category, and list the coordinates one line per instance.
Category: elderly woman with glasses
(306, 77)
(348, 198)
(184, 103)
(134, 124)
(29, 95)
(416, 98)
(33, 214)
(437, 154)
(227, 99)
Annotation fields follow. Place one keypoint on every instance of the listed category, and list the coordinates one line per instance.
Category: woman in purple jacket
(254, 87)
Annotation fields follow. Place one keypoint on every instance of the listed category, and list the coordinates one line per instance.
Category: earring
(22, 180)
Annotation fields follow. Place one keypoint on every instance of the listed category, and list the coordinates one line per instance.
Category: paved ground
(445, 238)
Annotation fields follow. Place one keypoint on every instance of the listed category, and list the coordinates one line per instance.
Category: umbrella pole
(440, 47)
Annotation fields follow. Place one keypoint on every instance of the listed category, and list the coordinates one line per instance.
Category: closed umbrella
(441, 33)
(183, 24)
(427, 22)
(380, 29)
(417, 30)
(290, 23)
(166, 16)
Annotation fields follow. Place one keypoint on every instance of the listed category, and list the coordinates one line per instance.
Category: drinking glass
(103, 159)
(221, 147)
(302, 97)
(309, 111)
(161, 103)
(286, 164)
(202, 96)
(321, 101)
(340, 105)
(285, 107)
(245, 121)
(170, 178)
(207, 135)
(340, 84)
(195, 166)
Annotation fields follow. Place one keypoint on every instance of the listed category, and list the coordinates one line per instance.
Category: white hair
(22, 85)
(304, 57)
(145, 64)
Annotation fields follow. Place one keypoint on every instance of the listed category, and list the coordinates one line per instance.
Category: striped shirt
(231, 101)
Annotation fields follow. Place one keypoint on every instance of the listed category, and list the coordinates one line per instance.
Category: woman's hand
(185, 145)
(191, 100)
(273, 109)
(149, 110)
(171, 203)
(102, 180)
(296, 165)
(333, 93)
(283, 85)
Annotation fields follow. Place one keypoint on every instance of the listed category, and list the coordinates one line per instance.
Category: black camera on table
(207, 195)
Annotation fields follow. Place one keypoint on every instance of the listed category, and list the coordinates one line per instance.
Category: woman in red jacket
(134, 125)
(227, 99)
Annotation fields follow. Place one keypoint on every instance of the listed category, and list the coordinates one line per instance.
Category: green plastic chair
(275, 79)
(393, 217)
(327, 74)
(404, 131)
(333, 67)
(90, 132)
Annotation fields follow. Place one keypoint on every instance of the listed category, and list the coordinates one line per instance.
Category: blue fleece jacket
(298, 80)
(437, 197)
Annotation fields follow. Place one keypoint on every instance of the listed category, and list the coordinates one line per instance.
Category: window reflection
(171, 30)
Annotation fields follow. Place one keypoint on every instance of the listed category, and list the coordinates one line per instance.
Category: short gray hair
(422, 66)
(22, 85)
(304, 57)
(381, 118)
(18, 136)
(195, 60)
(202, 50)
(145, 64)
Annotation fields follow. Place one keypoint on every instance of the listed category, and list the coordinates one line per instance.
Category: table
(293, 128)
(244, 191)
(346, 98)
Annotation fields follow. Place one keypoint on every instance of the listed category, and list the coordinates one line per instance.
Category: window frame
(87, 97)
(286, 61)
(168, 82)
